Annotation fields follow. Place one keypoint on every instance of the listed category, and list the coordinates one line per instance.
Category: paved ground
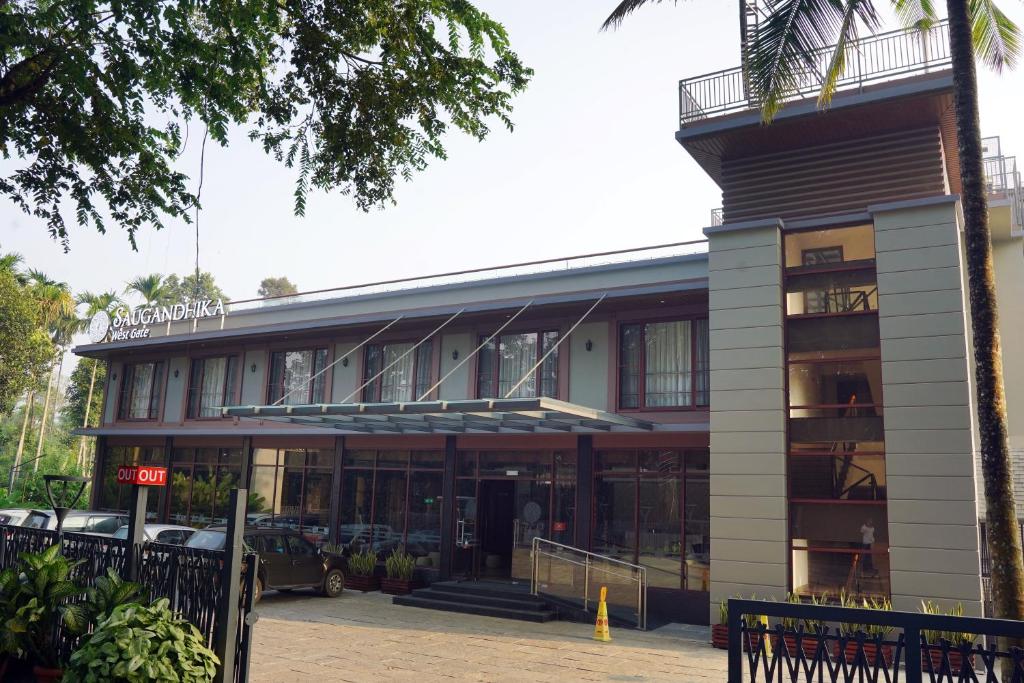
(363, 637)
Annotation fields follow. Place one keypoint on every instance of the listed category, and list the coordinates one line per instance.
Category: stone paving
(363, 637)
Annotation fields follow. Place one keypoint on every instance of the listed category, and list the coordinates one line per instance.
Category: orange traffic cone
(601, 630)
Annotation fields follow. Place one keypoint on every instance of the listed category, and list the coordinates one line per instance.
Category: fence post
(735, 640)
(136, 529)
(912, 641)
(225, 640)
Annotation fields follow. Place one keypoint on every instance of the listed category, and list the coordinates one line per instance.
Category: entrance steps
(483, 598)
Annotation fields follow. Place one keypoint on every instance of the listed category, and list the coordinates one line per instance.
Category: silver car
(174, 534)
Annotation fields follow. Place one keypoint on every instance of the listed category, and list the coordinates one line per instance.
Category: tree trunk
(85, 420)
(1001, 517)
(29, 402)
(42, 423)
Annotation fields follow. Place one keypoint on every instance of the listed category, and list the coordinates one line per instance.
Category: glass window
(850, 384)
(115, 496)
(388, 511)
(424, 522)
(660, 528)
(393, 459)
(697, 531)
(141, 384)
(294, 494)
(273, 545)
(615, 517)
(424, 363)
(505, 366)
(428, 459)
(856, 572)
(828, 477)
(356, 506)
(404, 372)
(615, 461)
(514, 464)
(664, 364)
(824, 249)
(300, 546)
(297, 377)
(211, 385)
(843, 291)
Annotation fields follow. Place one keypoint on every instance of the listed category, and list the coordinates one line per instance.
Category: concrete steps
(480, 598)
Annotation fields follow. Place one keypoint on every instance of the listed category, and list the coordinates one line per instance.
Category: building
(787, 407)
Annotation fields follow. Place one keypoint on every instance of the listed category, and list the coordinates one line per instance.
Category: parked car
(287, 560)
(174, 534)
(14, 516)
(86, 521)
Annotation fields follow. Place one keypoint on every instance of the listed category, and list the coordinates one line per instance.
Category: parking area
(363, 637)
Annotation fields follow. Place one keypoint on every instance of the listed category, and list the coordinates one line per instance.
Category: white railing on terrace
(716, 216)
(872, 59)
(551, 265)
(1003, 180)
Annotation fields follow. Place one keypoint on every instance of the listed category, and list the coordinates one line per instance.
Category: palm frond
(788, 49)
(624, 9)
(862, 10)
(919, 14)
(996, 38)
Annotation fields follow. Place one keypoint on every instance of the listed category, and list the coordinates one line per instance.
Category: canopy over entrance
(498, 415)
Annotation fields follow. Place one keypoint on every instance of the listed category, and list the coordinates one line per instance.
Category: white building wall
(588, 370)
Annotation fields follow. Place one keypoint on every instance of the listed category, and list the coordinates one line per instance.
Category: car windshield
(206, 540)
(122, 532)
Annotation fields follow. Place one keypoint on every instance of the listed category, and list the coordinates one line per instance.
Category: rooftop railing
(881, 57)
(1003, 180)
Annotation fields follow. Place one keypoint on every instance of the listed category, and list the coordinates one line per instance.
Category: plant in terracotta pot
(720, 631)
(789, 627)
(399, 567)
(873, 634)
(956, 643)
(753, 621)
(361, 567)
(814, 630)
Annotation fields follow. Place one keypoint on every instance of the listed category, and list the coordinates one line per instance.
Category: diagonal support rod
(399, 359)
(338, 360)
(553, 348)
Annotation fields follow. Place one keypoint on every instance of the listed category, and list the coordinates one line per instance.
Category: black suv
(286, 559)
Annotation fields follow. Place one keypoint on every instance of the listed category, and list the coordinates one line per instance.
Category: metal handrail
(875, 58)
(588, 557)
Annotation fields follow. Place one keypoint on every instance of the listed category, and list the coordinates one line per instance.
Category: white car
(14, 516)
(174, 534)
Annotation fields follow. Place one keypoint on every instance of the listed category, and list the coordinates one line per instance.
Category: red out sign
(142, 475)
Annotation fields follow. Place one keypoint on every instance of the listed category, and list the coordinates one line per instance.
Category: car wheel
(257, 591)
(334, 583)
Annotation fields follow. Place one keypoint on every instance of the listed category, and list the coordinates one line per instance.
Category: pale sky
(592, 165)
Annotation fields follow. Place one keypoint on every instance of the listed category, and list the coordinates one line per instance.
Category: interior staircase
(485, 598)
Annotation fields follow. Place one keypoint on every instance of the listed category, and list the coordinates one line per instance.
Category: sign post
(140, 478)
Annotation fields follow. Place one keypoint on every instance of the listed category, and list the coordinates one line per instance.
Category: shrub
(139, 643)
(363, 563)
(400, 565)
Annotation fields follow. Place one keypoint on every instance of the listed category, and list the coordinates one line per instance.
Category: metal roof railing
(881, 57)
(1003, 181)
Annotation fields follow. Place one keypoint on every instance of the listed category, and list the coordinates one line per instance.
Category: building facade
(787, 407)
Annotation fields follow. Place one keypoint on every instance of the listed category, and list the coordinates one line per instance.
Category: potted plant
(399, 568)
(753, 621)
(361, 566)
(814, 630)
(143, 643)
(789, 626)
(954, 642)
(872, 634)
(720, 631)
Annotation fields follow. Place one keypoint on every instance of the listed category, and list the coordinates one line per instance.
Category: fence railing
(876, 58)
(869, 646)
(1003, 181)
(576, 576)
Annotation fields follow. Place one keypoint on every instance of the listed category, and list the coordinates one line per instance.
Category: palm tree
(150, 287)
(108, 302)
(785, 44)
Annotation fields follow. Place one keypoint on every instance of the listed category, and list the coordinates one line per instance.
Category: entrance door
(497, 515)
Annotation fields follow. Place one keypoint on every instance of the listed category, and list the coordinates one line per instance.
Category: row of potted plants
(874, 635)
(399, 570)
(116, 633)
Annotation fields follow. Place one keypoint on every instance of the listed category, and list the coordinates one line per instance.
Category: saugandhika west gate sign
(134, 323)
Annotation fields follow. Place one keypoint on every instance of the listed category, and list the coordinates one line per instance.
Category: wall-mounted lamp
(589, 345)
(344, 362)
(113, 377)
(252, 368)
(175, 374)
(455, 354)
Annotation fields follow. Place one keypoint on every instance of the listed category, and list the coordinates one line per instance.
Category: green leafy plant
(723, 612)
(400, 565)
(140, 643)
(872, 603)
(108, 593)
(35, 604)
(934, 637)
(332, 548)
(790, 623)
(363, 563)
(813, 625)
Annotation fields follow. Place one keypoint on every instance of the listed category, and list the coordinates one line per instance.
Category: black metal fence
(190, 578)
(805, 643)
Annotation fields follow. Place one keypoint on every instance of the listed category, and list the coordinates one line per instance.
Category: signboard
(142, 475)
(134, 323)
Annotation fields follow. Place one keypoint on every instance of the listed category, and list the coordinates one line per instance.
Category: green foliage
(150, 287)
(812, 625)
(30, 488)
(139, 643)
(400, 565)
(872, 603)
(26, 347)
(790, 623)
(95, 95)
(363, 563)
(106, 594)
(276, 286)
(184, 289)
(77, 394)
(936, 636)
(36, 604)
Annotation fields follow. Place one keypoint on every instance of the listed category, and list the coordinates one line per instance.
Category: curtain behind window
(702, 364)
(298, 368)
(518, 353)
(211, 395)
(667, 381)
(397, 381)
(141, 391)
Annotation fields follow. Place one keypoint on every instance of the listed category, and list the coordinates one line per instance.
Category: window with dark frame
(212, 385)
(408, 374)
(297, 377)
(664, 364)
(507, 359)
(141, 385)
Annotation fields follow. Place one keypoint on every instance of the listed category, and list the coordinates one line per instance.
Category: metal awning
(498, 415)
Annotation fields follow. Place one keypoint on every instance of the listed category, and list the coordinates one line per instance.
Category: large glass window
(291, 488)
(651, 506)
(297, 377)
(664, 364)
(201, 480)
(504, 362)
(212, 385)
(836, 470)
(141, 384)
(404, 372)
(117, 497)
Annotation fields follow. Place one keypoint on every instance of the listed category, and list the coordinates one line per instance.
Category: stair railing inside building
(574, 576)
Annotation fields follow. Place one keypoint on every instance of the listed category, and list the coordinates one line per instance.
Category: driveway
(363, 637)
